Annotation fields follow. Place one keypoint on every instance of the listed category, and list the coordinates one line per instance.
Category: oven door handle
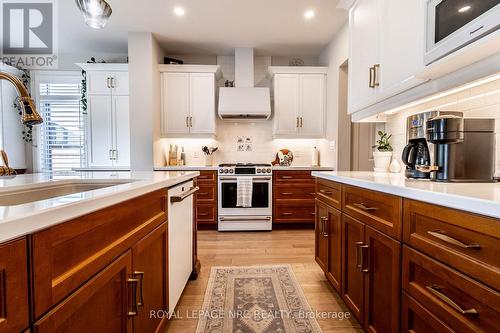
(268, 218)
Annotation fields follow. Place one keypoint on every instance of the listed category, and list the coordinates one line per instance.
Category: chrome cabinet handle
(286, 193)
(112, 82)
(182, 196)
(297, 123)
(187, 121)
(107, 82)
(365, 208)
(141, 278)
(246, 219)
(326, 192)
(190, 121)
(358, 255)
(442, 236)
(286, 214)
(301, 122)
(364, 250)
(134, 306)
(376, 82)
(435, 291)
(327, 228)
(286, 177)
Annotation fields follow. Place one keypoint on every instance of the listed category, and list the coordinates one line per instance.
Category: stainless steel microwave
(453, 24)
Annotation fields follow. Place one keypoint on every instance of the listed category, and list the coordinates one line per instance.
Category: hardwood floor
(295, 247)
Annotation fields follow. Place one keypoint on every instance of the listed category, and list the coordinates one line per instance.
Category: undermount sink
(51, 190)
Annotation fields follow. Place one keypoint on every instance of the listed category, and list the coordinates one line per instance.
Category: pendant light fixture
(95, 12)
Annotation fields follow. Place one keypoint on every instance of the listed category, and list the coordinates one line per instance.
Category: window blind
(62, 134)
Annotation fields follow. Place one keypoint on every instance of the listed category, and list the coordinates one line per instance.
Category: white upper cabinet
(401, 48)
(188, 100)
(312, 105)
(202, 103)
(175, 103)
(386, 49)
(364, 21)
(108, 115)
(286, 104)
(299, 101)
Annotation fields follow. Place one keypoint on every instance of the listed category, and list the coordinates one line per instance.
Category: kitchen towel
(244, 188)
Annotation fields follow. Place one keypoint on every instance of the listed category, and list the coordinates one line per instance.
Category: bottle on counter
(315, 157)
(183, 157)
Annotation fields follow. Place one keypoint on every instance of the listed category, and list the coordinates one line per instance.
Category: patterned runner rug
(256, 299)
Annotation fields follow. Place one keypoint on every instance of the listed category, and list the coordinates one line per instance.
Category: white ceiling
(210, 27)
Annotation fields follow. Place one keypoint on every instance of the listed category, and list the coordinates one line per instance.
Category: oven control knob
(221, 171)
(231, 171)
(269, 170)
(225, 171)
(258, 170)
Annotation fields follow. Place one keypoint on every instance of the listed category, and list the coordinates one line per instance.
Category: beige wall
(144, 54)
(333, 56)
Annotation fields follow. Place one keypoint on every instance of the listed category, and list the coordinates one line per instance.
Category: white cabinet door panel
(286, 104)
(312, 105)
(364, 23)
(97, 83)
(120, 83)
(121, 121)
(401, 46)
(175, 99)
(202, 103)
(100, 128)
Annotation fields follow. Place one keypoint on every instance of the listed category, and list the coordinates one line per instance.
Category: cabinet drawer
(379, 210)
(207, 193)
(68, 254)
(304, 214)
(293, 176)
(207, 177)
(417, 319)
(329, 192)
(297, 192)
(206, 214)
(462, 303)
(467, 242)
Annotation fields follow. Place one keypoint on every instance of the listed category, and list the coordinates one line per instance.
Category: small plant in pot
(383, 152)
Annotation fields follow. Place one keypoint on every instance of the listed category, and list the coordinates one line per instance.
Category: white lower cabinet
(299, 103)
(121, 133)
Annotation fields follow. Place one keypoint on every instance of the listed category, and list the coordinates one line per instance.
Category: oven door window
(452, 15)
(260, 195)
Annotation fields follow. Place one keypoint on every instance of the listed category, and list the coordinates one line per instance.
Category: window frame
(53, 77)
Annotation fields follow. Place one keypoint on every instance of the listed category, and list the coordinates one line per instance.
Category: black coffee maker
(464, 149)
(416, 155)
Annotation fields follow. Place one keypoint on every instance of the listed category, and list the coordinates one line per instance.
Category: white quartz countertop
(480, 198)
(23, 219)
(305, 167)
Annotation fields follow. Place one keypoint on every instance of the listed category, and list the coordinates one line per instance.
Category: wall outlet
(196, 154)
(333, 145)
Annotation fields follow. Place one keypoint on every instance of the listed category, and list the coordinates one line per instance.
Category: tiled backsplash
(263, 146)
(479, 102)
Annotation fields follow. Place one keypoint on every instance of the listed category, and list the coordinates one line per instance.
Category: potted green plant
(383, 152)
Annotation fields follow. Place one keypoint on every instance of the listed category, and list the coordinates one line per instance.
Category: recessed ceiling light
(309, 14)
(464, 9)
(179, 11)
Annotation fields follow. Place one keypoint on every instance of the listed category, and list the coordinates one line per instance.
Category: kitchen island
(97, 248)
(410, 255)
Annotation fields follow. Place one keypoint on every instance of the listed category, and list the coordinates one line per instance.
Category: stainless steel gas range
(257, 217)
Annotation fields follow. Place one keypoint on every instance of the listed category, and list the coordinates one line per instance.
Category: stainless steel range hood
(244, 101)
